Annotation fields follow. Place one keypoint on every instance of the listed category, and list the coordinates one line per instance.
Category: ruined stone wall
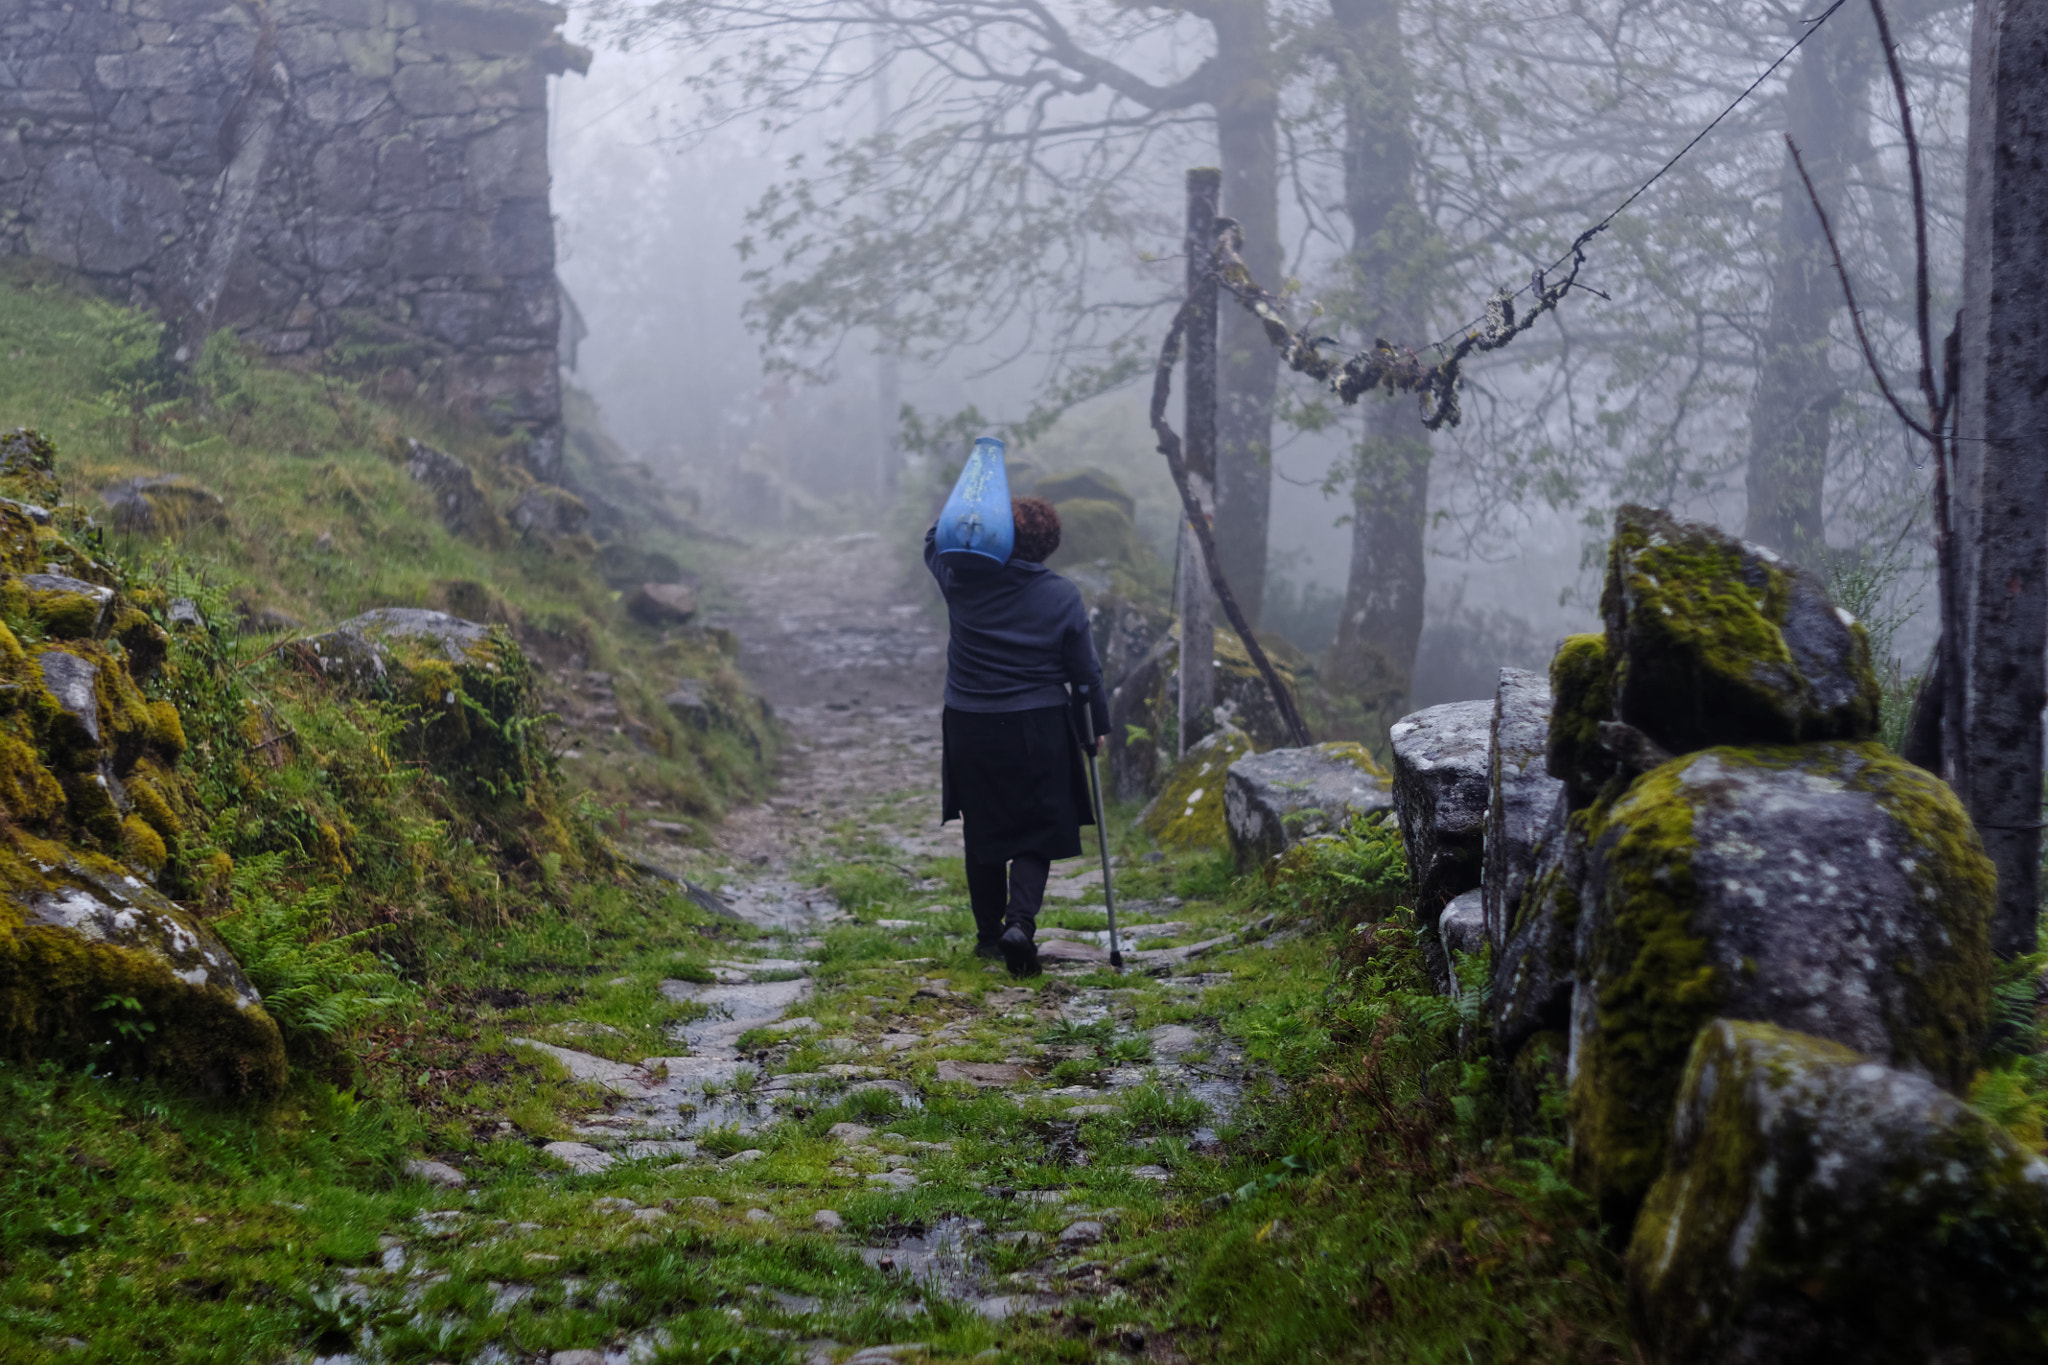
(362, 182)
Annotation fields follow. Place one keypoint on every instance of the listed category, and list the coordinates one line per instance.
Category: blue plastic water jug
(976, 519)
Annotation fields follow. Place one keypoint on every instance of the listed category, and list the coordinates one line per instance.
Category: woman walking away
(1013, 764)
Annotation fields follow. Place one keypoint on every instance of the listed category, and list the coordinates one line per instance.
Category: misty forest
(865, 682)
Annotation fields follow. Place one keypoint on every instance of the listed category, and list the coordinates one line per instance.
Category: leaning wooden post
(2002, 458)
(1191, 578)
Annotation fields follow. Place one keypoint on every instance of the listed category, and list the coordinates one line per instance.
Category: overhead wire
(1813, 26)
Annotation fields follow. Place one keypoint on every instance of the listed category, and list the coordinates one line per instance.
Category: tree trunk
(2003, 455)
(1797, 392)
(1247, 135)
(1373, 658)
(888, 366)
(1197, 667)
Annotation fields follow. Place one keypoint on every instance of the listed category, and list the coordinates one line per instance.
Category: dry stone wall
(363, 181)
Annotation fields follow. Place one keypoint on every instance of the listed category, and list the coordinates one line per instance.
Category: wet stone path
(853, 1076)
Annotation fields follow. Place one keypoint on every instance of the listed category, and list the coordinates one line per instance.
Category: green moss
(1657, 985)
(1189, 810)
(1803, 1195)
(66, 615)
(1695, 625)
(166, 731)
(1656, 988)
(1095, 530)
(151, 804)
(1950, 978)
(1357, 754)
(142, 845)
(1582, 696)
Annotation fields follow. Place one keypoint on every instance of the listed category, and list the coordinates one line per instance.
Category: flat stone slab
(1171, 1040)
(620, 1077)
(735, 1009)
(579, 1157)
(984, 1073)
(1066, 950)
(435, 1173)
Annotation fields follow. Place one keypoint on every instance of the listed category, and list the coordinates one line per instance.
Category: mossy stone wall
(1831, 888)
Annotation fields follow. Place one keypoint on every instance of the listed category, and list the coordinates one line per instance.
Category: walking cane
(1116, 952)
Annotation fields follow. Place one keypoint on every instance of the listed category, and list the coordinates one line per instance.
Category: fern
(312, 983)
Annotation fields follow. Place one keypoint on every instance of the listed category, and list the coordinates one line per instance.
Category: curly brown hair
(1038, 529)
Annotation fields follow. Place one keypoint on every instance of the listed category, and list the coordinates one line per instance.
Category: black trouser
(997, 903)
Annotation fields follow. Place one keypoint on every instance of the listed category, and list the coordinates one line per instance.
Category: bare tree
(1373, 657)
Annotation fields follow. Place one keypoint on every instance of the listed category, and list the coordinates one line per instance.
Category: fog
(1528, 122)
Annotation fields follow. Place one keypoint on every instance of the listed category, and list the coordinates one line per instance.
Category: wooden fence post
(1191, 577)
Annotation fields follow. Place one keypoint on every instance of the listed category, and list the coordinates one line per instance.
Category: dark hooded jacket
(1013, 767)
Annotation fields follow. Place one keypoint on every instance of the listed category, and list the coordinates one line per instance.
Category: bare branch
(1205, 535)
(1849, 294)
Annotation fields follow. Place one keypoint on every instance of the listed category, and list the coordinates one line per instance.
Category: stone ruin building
(359, 181)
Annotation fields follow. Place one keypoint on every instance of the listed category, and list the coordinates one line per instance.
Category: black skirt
(1015, 778)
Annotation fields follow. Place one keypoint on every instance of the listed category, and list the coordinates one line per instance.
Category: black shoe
(1020, 954)
(988, 947)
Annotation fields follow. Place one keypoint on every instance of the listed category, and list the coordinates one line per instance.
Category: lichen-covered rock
(662, 604)
(1274, 800)
(348, 657)
(1714, 641)
(689, 705)
(1533, 967)
(1462, 926)
(1820, 1206)
(1141, 666)
(1095, 531)
(1088, 484)
(1828, 888)
(1188, 812)
(1522, 795)
(451, 637)
(461, 505)
(94, 964)
(162, 505)
(1131, 643)
(553, 514)
(67, 607)
(1442, 789)
(97, 965)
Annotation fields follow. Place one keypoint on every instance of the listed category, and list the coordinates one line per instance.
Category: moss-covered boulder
(1442, 788)
(1095, 531)
(1582, 697)
(1819, 1206)
(1521, 795)
(100, 824)
(1188, 812)
(162, 505)
(1087, 484)
(1714, 641)
(470, 693)
(462, 506)
(1274, 800)
(1829, 888)
(1141, 667)
(96, 967)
